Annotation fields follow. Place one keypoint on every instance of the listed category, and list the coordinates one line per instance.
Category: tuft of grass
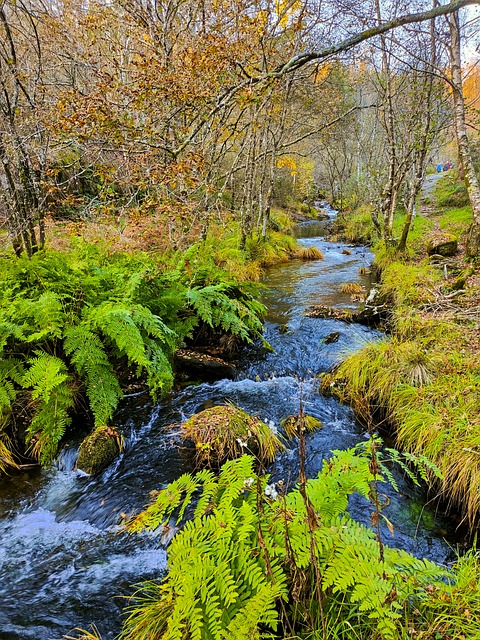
(226, 432)
(456, 221)
(308, 253)
(408, 284)
(425, 383)
(295, 425)
(351, 287)
(451, 610)
(356, 226)
(451, 194)
(83, 634)
(281, 219)
(7, 455)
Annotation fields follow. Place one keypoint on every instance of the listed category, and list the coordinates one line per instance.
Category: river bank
(424, 381)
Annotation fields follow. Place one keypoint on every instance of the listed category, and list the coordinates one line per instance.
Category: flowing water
(64, 560)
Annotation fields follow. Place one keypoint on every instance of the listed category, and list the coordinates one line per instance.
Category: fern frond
(49, 383)
(87, 355)
(44, 315)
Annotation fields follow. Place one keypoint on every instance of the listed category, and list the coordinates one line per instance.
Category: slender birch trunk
(471, 180)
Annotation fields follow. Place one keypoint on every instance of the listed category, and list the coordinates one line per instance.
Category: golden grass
(351, 287)
(225, 432)
(427, 384)
(308, 253)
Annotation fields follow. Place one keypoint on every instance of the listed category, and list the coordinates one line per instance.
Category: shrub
(87, 321)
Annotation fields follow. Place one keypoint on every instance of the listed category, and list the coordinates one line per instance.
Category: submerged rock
(284, 329)
(332, 337)
(98, 450)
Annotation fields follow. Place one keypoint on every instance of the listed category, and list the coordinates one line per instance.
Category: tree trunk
(471, 180)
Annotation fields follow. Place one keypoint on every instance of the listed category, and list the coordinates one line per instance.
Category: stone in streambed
(332, 337)
(203, 364)
(98, 450)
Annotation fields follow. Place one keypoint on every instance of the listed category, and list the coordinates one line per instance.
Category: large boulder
(98, 450)
(445, 245)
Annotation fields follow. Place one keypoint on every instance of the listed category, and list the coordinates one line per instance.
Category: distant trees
(189, 111)
(23, 137)
(471, 179)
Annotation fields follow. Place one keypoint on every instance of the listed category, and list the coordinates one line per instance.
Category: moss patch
(98, 450)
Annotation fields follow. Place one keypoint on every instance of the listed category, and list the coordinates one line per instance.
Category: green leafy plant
(88, 321)
(249, 549)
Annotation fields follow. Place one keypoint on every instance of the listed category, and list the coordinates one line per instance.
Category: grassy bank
(423, 380)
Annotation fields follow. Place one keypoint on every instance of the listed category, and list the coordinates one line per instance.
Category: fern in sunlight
(245, 544)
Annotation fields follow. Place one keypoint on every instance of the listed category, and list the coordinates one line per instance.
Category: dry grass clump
(84, 634)
(225, 432)
(364, 271)
(429, 391)
(294, 425)
(351, 287)
(308, 253)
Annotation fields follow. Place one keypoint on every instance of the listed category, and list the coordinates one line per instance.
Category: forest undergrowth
(91, 313)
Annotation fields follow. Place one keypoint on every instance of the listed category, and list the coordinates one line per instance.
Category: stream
(64, 560)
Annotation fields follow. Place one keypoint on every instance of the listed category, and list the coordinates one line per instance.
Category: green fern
(230, 592)
(51, 395)
(90, 361)
(225, 307)
(100, 313)
(140, 336)
(239, 555)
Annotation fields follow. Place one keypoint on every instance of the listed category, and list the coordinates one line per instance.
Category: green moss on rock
(98, 450)
(446, 246)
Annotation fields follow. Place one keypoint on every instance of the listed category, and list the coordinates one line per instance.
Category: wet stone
(332, 337)
(98, 450)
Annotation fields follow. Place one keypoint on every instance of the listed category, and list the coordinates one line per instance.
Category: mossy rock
(446, 245)
(98, 450)
(224, 432)
(460, 281)
(295, 424)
